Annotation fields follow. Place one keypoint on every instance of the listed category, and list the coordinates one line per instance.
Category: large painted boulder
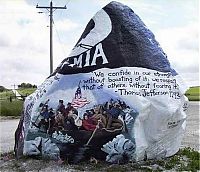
(115, 97)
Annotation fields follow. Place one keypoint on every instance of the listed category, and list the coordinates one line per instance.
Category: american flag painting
(79, 101)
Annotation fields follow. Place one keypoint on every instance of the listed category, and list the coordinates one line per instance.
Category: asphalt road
(7, 132)
(191, 138)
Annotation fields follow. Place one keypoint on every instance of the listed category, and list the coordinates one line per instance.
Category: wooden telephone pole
(50, 9)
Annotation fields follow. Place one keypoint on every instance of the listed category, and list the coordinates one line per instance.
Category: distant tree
(2, 88)
(26, 85)
(29, 85)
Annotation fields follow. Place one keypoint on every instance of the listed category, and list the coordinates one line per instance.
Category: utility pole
(14, 91)
(50, 9)
(14, 86)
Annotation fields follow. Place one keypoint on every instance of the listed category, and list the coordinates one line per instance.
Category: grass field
(193, 93)
(6, 95)
(14, 107)
(27, 91)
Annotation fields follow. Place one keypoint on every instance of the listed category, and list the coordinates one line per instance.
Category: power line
(59, 38)
(58, 35)
(68, 2)
(51, 9)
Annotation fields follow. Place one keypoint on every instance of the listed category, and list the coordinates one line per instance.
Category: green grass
(26, 91)
(186, 159)
(193, 93)
(13, 108)
(6, 95)
(193, 163)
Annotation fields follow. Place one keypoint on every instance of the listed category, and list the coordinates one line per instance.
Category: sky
(24, 35)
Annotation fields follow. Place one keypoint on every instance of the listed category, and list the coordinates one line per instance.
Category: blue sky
(24, 35)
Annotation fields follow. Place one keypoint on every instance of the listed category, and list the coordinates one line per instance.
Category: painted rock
(115, 97)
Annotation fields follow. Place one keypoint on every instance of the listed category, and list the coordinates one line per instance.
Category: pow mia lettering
(88, 58)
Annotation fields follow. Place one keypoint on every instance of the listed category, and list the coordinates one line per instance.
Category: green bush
(2, 88)
(193, 93)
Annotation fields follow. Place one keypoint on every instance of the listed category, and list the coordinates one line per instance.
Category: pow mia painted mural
(115, 97)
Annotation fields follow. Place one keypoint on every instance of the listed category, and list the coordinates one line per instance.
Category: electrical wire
(62, 47)
(59, 39)
(68, 2)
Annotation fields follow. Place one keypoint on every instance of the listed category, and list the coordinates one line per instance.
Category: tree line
(26, 85)
(22, 85)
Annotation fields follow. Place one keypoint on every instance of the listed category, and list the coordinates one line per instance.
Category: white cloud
(20, 46)
(181, 46)
(65, 25)
(24, 43)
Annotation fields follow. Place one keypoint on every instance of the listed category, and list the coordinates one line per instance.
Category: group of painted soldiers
(67, 118)
(107, 114)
